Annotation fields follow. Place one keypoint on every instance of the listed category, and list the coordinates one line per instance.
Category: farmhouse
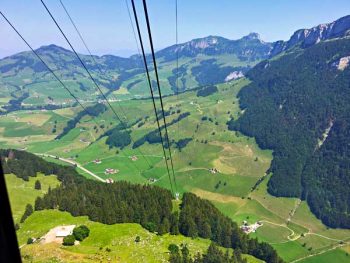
(152, 180)
(111, 171)
(57, 234)
(134, 158)
(63, 232)
(213, 170)
(109, 181)
(250, 228)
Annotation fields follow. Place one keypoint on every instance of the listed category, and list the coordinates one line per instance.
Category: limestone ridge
(308, 37)
(249, 47)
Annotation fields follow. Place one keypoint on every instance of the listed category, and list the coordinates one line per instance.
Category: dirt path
(73, 163)
(321, 252)
(292, 233)
(297, 204)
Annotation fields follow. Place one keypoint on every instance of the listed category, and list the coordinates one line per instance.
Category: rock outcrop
(308, 37)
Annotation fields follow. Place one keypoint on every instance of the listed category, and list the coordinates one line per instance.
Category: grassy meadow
(288, 223)
(106, 243)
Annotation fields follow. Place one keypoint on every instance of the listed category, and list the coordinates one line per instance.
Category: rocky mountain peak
(311, 36)
(252, 36)
(205, 42)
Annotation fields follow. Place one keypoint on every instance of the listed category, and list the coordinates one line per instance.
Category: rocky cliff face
(249, 47)
(309, 37)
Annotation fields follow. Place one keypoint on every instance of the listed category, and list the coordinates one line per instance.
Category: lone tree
(81, 232)
(27, 212)
(68, 240)
(37, 185)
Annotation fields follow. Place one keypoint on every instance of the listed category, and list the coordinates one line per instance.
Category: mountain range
(202, 61)
(292, 100)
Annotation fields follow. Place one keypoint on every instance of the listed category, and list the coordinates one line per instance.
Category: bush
(137, 239)
(30, 241)
(69, 240)
(173, 248)
(81, 232)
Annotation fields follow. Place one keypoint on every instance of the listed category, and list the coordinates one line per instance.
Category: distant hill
(203, 61)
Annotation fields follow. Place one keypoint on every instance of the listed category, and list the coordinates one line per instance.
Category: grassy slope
(120, 238)
(238, 158)
(337, 255)
(22, 193)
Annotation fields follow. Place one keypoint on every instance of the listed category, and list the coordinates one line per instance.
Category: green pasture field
(22, 193)
(289, 223)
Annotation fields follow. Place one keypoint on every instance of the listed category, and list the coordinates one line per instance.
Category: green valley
(237, 158)
(243, 158)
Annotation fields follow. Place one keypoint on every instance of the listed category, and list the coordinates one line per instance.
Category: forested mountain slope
(298, 105)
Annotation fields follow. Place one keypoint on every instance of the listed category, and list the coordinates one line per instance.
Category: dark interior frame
(9, 250)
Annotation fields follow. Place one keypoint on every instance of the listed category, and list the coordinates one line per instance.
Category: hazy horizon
(107, 29)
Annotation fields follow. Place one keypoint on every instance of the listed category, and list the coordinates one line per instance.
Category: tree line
(200, 218)
(213, 255)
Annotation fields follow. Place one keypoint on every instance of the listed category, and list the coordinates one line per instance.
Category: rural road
(73, 163)
(319, 253)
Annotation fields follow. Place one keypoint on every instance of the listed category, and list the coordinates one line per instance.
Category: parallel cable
(158, 85)
(133, 30)
(150, 86)
(90, 53)
(80, 36)
(56, 77)
(177, 67)
(91, 77)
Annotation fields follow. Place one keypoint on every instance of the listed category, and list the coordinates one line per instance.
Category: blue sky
(106, 27)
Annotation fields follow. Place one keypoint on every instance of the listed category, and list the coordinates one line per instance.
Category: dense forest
(121, 202)
(206, 91)
(290, 106)
(25, 165)
(92, 111)
(118, 137)
(210, 72)
(112, 203)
